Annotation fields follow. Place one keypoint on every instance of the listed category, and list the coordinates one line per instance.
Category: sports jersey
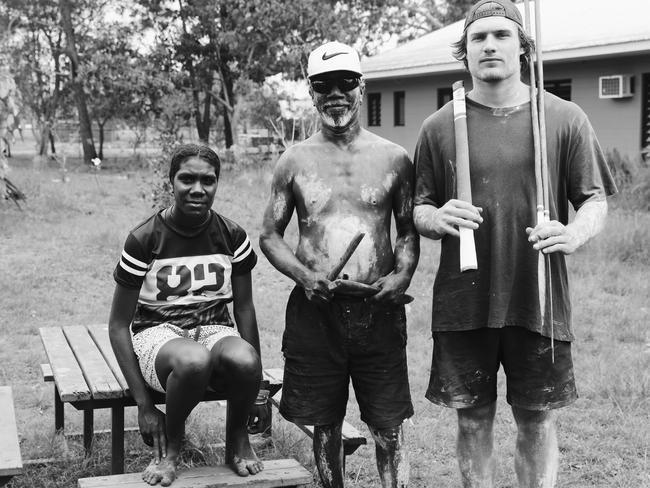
(504, 290)
(184, 275)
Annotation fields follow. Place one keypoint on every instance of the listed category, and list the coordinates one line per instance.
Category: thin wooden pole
(538, 115)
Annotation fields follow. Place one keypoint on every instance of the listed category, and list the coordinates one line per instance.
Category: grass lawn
(57, 258)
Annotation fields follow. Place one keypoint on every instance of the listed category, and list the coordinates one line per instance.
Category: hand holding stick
(464, 189)
(354, 288)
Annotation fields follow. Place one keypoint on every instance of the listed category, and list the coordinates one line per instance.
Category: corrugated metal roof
(571, 29)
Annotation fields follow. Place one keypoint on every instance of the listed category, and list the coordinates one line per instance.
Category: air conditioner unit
(615, 86)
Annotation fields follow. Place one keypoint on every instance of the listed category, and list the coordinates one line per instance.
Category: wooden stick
(538, 115)
(352, 246)
(464, 188)
(545, 175)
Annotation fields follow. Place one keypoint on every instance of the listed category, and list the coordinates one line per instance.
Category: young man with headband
(490, 317)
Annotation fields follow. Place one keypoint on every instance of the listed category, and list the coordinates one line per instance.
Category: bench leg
(117, 440)
(59, 418)
(89, 428)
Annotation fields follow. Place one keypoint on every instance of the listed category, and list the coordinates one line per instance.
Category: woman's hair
(185, 151)
(526, 42)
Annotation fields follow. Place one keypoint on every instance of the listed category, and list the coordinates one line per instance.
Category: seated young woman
(169, 324)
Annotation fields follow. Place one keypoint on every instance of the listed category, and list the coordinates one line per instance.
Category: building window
(398, 104)
(374, 109)
(559, 88)
(444, 95)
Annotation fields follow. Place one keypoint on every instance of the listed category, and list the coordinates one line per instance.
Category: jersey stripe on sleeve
(132, 265)
(244, 250)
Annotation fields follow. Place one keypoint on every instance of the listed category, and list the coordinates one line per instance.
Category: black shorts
(326, 345)
(465, 364)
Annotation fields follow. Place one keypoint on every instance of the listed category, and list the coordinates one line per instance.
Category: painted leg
(537, 453)
(328, 453)
(183, 367)
(474, 447)
(237, 368)
(392, 458)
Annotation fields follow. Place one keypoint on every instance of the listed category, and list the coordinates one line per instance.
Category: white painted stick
(464, 188)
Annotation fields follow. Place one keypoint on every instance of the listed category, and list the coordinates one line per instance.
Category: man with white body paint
(341, 181)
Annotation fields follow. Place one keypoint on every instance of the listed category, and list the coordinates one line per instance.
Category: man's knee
(534, 421)
(472, 421)
(388, 438)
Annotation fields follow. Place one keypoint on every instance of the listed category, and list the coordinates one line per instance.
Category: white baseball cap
(333, 56)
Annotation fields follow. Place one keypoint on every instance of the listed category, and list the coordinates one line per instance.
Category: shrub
(157, 188)
(632, 176)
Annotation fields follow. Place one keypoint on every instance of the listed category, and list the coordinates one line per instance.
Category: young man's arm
(276, 218)
(553, 236)
(407, 241)
(433, 222)
(150, 419)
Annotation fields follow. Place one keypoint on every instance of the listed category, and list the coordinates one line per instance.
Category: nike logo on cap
(330, 56)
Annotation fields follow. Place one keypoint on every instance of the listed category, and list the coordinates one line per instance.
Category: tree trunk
(228, 126)
(203, 120)
(52, 147)
(43, 140)
(101, 140)
(85, 130)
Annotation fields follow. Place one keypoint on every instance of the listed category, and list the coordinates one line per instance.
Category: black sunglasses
(326, 86)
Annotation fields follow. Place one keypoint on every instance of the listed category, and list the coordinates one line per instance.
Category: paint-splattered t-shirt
(184, 277)
(504, 289)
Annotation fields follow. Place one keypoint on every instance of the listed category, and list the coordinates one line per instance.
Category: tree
(33, 46)
(85, 129)
(215, 44)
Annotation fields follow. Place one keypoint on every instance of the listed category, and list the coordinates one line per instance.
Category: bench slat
(68, 376)
(349, 433)
(278, 472)
(99, 333)
(10, 461)
(98, 375)
(46, 372)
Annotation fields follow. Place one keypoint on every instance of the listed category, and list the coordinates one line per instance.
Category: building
(596, 53)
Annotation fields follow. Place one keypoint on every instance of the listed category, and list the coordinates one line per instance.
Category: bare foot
(164, 472)
(244, 461)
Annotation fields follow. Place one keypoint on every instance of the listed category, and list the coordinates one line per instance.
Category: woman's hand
(152, 429)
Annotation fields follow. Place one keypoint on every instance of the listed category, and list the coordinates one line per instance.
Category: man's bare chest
(337, 187)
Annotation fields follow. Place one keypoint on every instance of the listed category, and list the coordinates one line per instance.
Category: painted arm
(434, 222)
(407, 241)
(554, 236)
(276, 218)
(150, 419)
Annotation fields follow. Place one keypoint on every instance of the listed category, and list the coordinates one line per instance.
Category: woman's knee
(236, 357)
(192, 362)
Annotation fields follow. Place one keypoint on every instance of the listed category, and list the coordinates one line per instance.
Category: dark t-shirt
(183, 276)
(504, 290)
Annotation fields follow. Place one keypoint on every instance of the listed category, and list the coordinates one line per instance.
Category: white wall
(617, 122)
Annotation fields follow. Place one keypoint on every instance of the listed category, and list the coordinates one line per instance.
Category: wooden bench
(10, 461)
(352, 438)
(279, 472)
(86, 375)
